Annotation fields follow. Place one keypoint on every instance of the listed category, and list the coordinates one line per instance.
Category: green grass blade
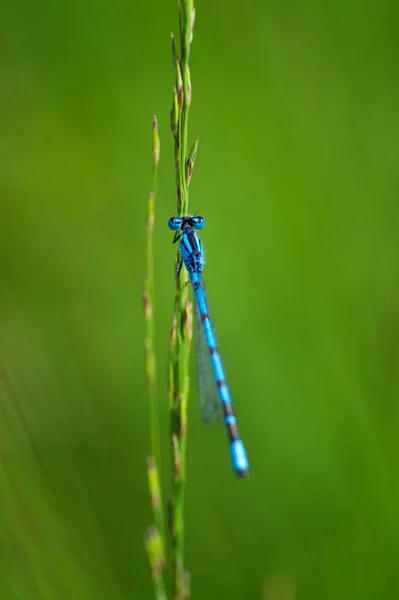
(181, 334)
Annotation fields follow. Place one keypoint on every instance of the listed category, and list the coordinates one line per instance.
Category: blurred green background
(296, 106)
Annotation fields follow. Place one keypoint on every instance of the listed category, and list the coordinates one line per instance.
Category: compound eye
(174, 223)
(198, 222)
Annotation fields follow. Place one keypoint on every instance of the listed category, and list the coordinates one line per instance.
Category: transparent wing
(211, 408)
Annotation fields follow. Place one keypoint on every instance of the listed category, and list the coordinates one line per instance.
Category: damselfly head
(176, 223)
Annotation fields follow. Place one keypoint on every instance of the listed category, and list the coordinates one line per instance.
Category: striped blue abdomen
(237, 449)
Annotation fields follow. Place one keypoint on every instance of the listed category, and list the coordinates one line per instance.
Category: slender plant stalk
(180, 337)
(156, 558)
(180, 342)
(154, 537)
(181, 333)
(148, 302)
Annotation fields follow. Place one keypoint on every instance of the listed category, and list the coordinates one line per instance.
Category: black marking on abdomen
(232, 431)
(228, 410)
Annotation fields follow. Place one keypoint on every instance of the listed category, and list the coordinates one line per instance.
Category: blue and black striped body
(193, 258)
